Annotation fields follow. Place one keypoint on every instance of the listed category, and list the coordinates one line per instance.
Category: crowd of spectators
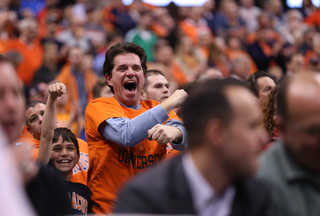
(260, 43)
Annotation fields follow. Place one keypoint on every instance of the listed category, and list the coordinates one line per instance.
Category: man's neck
(210, 168)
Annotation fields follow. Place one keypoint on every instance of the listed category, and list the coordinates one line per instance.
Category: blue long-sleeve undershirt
(129, 132)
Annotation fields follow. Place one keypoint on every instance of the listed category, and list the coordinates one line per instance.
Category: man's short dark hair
(121, 48)
(206, 101)
(66, 135)
(252, 81)
(150, 73)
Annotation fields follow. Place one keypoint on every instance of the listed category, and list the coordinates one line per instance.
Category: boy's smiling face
(64, 156)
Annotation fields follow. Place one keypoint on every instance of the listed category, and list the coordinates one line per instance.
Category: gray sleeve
(129, 132)
(184, 143)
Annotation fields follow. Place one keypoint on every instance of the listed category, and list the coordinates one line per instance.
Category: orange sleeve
(80, 171)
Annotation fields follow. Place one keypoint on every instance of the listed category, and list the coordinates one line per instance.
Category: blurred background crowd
(67, 40)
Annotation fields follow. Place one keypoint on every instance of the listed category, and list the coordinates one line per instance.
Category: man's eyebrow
(135, 65)
(121, 66)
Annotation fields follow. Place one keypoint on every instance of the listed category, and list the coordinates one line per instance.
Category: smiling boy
(59, 149)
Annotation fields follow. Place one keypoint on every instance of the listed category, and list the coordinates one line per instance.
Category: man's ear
(78, 158)
(143, 95)
(214, 132)
(29, 129)
(109, 80)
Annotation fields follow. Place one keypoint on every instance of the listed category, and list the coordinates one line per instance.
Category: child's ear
(78, 157)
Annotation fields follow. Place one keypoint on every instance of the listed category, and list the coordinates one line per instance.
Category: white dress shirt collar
(206, 201)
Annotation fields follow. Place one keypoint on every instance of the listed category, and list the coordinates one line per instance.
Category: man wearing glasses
(292, 166)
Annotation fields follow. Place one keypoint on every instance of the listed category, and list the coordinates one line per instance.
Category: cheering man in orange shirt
(125, 134)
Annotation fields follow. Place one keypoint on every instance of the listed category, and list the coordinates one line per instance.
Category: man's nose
(130, 72)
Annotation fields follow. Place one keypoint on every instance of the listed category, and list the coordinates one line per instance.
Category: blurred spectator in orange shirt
(191, 25)
(234, 51)
(164, 61)
(190, 58)
(29, 48)
(78, 79)
(218, 57)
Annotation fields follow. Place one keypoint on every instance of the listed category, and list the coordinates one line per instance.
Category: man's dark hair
(32, 104)
(66, 135)
(206, 101)
(150, 73)
(121, 48)
(252, 81)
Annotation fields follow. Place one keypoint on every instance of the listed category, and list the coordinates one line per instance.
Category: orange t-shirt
(31, 58)
(192, 29)
(111, 164)
(80, 171)
(234, 54)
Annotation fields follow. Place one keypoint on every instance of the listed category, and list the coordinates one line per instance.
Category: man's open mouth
(130, 86)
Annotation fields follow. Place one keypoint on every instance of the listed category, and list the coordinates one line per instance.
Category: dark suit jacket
(164, 190)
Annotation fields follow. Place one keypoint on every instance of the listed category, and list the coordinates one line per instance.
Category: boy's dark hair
(66, 135)
(206, 101)
(121, 48)
(252, 81)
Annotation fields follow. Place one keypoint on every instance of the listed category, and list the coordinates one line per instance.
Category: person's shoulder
(149, 103)
(103, 101)
(269, 160)
(254, 187)
(256, 195)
